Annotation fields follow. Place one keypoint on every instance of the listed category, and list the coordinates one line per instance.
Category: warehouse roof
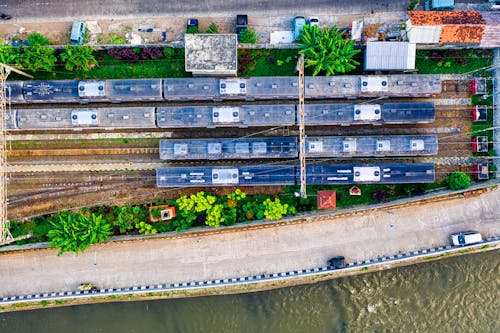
(209, 54)
(390, 56)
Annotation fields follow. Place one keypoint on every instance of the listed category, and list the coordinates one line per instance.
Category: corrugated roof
(457, 26)
(491, 36)
(390, 56)
(423, 17)
(327, 199)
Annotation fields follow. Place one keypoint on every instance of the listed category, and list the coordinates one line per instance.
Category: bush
(212, 29)
(248, 36)
(458, 180)
(37, 39)
(192, 30)
(413, 4)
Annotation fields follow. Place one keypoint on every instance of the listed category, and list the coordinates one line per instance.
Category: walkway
(235, 253)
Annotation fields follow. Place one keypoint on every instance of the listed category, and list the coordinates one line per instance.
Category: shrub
(37, 39)
(124, 54)
(248, 36)
(212, 29)
(192, 30)
(168, 51)
(458, 180)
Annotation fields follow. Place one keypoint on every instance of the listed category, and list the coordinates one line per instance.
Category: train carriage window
(205, 87)
(347, 85)
(413, 84)
(58, 118)
(274, 86)
(190, 85)
(111, 115)
(267, 114)
(252, 113)
(294, 84)
(331, 84)
(288, 112)
(125, 117)
(310, 85)
(399, 82)
(146, 114)
(258, 84)
(325, 111)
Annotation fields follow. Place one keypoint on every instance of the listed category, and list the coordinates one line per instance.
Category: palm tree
(326, 50)
(78, 57)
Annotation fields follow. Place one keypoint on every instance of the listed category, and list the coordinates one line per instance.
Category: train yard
(42, 191)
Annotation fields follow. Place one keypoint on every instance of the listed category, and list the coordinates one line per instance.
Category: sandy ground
(236, 253)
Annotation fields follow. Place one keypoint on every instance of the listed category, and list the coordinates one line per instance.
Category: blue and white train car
(224, 149)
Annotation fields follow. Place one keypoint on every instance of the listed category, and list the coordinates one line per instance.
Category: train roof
(391, 113)
(372, 85)
(124, 117)
(14, 91)
(416, 112)
(387, 145)
(225, 176)
(235, 116)
(226, 148)
(192, 88)
(135, 89)
(48, 91)
(264, 87)
(393, 173)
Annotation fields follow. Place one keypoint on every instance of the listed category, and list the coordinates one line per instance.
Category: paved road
(93, 9)
(244, 253)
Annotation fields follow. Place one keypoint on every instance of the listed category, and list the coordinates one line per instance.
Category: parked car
(337, 262)
(241, 24)
(465, 238)
(298, 25)
(4, 16)
(78, 30)
(313, 21)
(192, 26)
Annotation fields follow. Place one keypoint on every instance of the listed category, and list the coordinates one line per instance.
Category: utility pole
(5, 235)
(302, 129)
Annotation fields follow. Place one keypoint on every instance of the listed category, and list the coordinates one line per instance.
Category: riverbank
(240, 285)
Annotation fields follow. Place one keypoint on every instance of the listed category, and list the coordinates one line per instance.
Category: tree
(326, 50)
(274, 209)
(124, 221)
(37, 39)
(458, 180)
(9, 55)
(76, 232)
(35, 58)
(79, 57)
(248, 36)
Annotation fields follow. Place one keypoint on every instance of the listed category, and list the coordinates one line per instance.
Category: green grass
(264, 62)
(476, 59)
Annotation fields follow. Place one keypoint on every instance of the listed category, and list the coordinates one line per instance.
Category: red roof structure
(327, 199)
(457, 26)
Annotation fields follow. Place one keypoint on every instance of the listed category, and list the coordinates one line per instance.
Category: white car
(465, 238)
(313, 21)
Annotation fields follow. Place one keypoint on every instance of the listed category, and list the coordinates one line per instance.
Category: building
(480, 144)
(390, 56)
(464, 28)
(211, 54)
(491, 36)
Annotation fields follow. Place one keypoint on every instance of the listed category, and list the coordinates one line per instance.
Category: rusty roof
(327, 199)
(422, 17)
(457, 26)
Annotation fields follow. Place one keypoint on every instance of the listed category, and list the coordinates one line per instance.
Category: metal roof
(387, 145)
(135, 89)
(365, 174)
(125, 117)
(225, 176)
(390, 56)
(220, 149)
(47, 91)
(386, 113)
(236, 116)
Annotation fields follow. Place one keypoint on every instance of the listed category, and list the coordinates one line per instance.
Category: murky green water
(454, 295)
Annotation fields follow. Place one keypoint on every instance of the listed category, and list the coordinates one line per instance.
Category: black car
(241, 23)
(337, 262)
(4, 16)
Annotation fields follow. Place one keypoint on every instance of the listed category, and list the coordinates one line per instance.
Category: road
(230, 254)
(94, 9)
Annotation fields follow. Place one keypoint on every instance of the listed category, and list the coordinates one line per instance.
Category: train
(219, 89)
(177, 117)
(316, 174)
(287, 147)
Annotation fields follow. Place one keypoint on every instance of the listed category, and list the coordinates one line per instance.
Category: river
(456, 294)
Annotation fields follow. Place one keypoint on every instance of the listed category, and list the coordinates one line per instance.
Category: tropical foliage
(274, 209)
(248, 36)
(326, 50)
(212, 29)
(78, 57)
(36, 58)
(76, 232)
(37, 39)
(458, 180)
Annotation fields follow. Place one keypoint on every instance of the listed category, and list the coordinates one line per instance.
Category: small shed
(481, 171)
(211, 54)
(478, 86)
(479, 113)
(480, 144)
(327, 199)
(387, 56)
